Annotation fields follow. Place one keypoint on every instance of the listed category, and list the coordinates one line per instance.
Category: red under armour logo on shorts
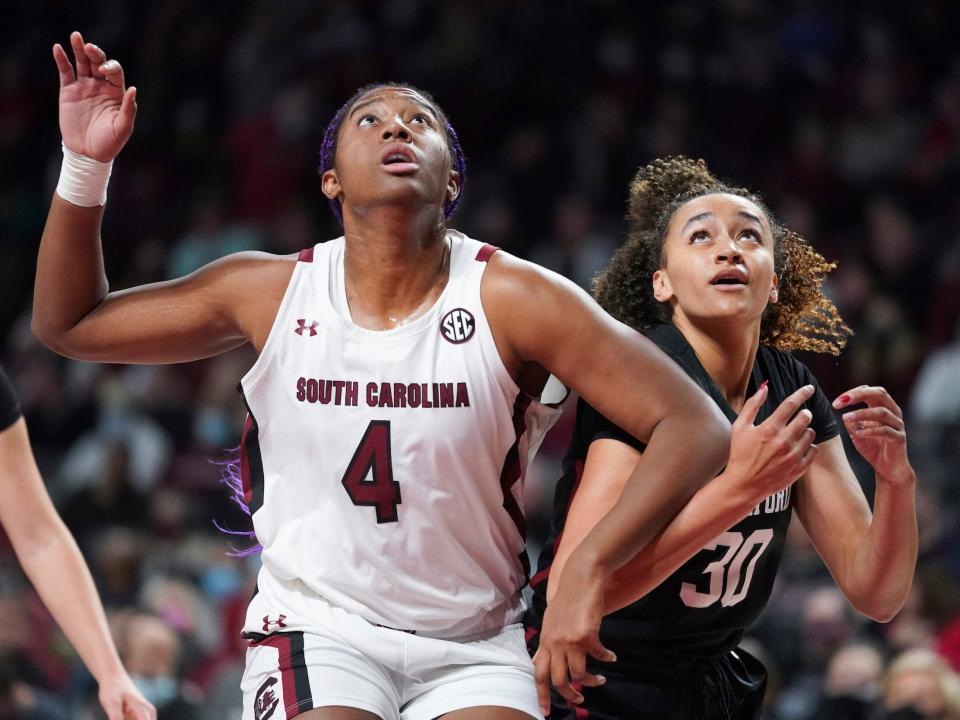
(312, 327)
(267, 622)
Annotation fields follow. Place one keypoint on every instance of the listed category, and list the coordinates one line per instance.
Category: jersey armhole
(256, 371)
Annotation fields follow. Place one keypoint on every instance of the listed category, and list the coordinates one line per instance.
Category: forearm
(715, 508)
(881, 570)
(57, 570)
(70, 280)
(665, 479)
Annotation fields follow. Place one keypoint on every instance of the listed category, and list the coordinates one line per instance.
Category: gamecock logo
(457, 326)
(267, 700)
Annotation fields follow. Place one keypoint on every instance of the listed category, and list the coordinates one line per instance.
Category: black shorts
(729, 687)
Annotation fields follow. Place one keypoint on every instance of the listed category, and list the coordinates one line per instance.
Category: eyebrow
(376, 99)
(749, 216)
(695, 218)
(708, 213)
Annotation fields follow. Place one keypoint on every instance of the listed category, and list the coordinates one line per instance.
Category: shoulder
(249, 272)
(509, 278)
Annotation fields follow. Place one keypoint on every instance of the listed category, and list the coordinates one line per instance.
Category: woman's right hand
(768, 457)
(96, 109)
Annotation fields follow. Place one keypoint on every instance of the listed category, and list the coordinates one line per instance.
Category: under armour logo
(267, 622)
(312, 327)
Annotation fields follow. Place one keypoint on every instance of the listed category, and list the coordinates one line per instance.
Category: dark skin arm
(74, 313)
(541, 320)
(203, 314)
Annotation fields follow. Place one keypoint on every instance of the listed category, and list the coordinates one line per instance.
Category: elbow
(44, 333)
(879, 613)
(52, 338)
(879, 609)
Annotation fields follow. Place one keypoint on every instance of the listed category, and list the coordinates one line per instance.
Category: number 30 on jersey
(725, 573)
(372, 457)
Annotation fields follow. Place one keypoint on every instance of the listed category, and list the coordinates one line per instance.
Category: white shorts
(344, 660)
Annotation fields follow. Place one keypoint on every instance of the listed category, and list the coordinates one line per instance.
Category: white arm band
(83, 180)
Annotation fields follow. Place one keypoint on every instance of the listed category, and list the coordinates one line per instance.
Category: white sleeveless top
(385, 469)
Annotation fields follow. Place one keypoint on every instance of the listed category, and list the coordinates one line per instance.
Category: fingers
(112, 72)
(128, 113)
(79, 55)
(560, 677)
(541, 673)
(857, 419)
(806, 460)
(881, 432)
(96, 57)
(64, 68)
(748, 413)
(139, 709)
(597, 650)
(788, 408)
(801, 422)
(871, 395)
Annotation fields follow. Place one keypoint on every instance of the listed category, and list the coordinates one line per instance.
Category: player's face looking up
(717, 260)
(392, 149)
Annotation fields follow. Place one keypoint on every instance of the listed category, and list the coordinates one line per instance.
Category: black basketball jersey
(702, 609)
(9, 407)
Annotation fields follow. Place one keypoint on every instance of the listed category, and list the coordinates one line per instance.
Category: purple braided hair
(230, 476)
(328, 148)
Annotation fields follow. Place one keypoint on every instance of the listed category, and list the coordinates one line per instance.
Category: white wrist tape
(83, 180)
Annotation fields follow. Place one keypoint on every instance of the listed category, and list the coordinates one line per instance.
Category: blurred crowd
(845, 116)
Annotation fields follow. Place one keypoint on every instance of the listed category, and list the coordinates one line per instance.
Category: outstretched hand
(96, 109)
(877, 431)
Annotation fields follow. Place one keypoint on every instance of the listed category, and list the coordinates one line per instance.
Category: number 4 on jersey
(372, 457)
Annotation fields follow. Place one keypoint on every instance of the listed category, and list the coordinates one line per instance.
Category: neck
(726, 350)
(394, 263)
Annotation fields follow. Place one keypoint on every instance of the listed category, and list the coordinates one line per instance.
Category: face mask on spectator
(159, 689)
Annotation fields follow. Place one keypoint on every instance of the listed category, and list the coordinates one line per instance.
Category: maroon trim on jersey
(511, 474)
(544, 574)
(251, 462)
(295, 682)
(486, 252)
(306, 255)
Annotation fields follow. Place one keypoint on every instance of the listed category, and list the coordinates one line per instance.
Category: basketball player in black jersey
(716, 283)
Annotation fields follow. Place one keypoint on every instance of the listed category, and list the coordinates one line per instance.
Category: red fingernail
(844, 398)
(762, 385)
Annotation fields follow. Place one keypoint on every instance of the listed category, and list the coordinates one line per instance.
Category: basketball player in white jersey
(392, 410)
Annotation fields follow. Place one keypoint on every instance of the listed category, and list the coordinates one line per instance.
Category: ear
(662, 290)
(331, 184)
(453, 186)
(774, 291)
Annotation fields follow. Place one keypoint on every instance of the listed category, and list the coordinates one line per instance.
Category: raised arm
(54, 565)
(73, 311)
(872, 556)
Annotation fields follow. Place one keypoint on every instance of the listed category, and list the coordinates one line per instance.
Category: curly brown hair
(802, 319)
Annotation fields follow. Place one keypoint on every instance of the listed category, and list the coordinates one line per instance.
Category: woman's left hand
(122, 701)
(877, 432)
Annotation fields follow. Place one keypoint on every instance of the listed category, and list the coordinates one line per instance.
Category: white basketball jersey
(385, 469)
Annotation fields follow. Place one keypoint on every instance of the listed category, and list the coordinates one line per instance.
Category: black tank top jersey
(9, 407)
(703, 609)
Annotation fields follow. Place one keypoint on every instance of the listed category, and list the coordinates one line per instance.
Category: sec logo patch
(458, 326)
